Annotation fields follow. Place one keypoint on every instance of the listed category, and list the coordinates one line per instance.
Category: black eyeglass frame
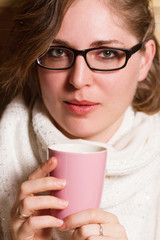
(128, 52)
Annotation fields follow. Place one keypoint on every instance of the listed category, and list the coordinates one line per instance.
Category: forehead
(92, 20)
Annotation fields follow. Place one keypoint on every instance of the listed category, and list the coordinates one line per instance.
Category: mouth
(81, 107)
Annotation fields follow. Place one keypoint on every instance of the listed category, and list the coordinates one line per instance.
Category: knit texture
(132, 182)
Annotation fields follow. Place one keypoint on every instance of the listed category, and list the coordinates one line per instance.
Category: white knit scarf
(25, 136)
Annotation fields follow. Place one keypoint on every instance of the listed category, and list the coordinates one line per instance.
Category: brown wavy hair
(35, 25)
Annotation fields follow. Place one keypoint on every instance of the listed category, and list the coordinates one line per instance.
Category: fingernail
(29, 238)
(63, 203)
(59, 222)
(61, 182)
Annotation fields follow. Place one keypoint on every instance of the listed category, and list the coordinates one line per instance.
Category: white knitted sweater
(132, 182)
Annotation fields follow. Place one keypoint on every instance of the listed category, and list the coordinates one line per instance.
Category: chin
(74, 134)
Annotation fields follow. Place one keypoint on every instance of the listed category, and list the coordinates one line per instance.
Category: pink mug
(83, 165)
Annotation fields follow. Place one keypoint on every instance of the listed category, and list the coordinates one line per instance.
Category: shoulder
(16, 107)
(152, 122)
(14, 120)
(16, 110)
(15, 138)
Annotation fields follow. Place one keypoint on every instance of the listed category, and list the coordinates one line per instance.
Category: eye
(108, 53)
(56, 52)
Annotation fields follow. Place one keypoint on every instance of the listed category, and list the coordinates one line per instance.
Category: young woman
(83, 69)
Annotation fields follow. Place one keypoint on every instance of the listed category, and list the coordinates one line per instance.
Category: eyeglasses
(99, 59)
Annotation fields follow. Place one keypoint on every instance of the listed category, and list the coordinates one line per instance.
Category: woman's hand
(94, 224)
(32, 220)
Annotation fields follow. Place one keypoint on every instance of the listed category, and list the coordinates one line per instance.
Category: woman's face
(85, 103)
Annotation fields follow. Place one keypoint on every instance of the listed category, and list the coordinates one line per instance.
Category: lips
(81, 107)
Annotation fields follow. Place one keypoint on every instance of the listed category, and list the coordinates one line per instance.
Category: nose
(80, 74)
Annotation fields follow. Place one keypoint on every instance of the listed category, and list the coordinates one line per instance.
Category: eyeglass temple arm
(136, 48)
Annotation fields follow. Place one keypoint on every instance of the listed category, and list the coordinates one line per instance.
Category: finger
(33, 224)
(89, 216)
(31, 187)
(32, 204)
(44, 169)
(86, 231)
(109, 230)
(35, 186)
(101, 238)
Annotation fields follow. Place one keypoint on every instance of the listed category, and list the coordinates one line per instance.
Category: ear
(147, 58)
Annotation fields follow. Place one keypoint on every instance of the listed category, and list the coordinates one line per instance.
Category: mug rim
(83, 148)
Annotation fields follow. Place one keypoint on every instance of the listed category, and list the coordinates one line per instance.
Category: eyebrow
(60, 42)
(93, 44)
(106, 42)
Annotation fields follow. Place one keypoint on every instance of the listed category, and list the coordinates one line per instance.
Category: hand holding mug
(94, 224)
(30, 215)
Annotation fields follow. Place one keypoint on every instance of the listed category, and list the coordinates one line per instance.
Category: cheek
(49, 83)
(120, 86)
